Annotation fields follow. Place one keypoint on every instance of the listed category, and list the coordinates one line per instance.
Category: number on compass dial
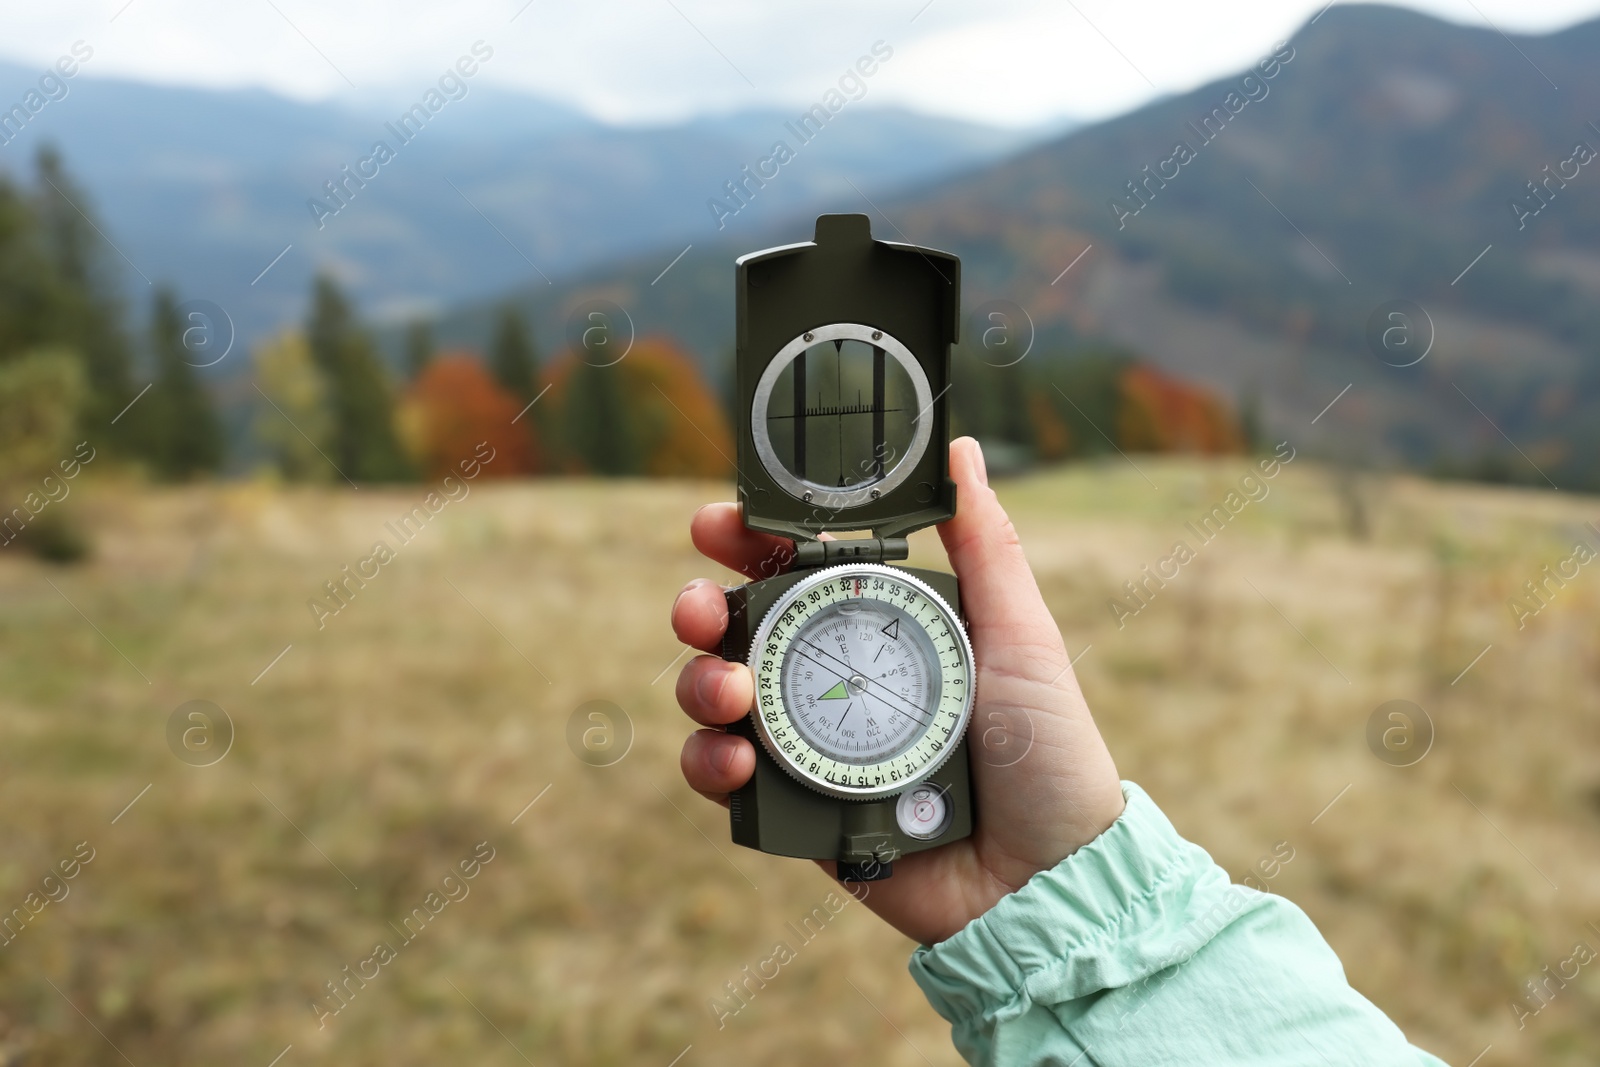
(863, 681)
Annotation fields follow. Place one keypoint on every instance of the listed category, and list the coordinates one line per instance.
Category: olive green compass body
(863, 671)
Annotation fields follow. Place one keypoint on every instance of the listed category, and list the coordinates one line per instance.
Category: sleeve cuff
(1137, 899)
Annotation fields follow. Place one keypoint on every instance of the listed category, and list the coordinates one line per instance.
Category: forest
(146, 390)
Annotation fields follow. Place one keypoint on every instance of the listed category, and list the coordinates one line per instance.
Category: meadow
(377, 750)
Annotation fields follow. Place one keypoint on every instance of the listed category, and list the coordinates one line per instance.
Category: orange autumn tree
(1159, 413)
(651, 413)
(453, 406)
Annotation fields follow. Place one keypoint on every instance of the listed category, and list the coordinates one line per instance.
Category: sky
(1016, 63)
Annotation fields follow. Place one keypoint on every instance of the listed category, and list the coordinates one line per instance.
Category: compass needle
(864, 680)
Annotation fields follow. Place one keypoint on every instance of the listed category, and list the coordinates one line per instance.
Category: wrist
(1061, 925)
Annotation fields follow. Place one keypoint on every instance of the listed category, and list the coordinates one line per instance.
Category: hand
(1031, 814)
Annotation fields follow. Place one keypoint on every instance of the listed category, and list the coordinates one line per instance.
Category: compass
(863, 681)
(864, 674)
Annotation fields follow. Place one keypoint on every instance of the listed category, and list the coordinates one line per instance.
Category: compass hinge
(857, 550)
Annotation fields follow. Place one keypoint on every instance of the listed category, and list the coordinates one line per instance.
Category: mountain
(205, 188)
(1387, 157)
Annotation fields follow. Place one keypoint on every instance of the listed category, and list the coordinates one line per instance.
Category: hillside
(204, 188)
(373, 754)
(1378, 162)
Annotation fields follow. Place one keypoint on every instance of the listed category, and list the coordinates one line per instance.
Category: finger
(999, 595)
(700, 615)
(714, 692)
(719, 532)
(714, 762)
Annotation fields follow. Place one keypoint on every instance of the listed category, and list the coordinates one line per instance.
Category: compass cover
(843, 342)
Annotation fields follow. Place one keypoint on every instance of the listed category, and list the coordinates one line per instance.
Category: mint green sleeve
(1138, 950)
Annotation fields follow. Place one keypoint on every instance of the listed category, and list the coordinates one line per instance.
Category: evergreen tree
(365, 445)
(726, 381)
(1012, 387)
(84, 310)
(1250, 427)
(515, 365)
(28, 288)
(971, 398)
(183, 428)
(1088, 386)
(419, 348)
(512, 357)
(595, 421)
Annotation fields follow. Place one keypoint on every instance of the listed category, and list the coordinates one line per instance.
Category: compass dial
(863, 681)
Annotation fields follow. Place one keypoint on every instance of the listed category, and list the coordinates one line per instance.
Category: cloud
(1009, 62)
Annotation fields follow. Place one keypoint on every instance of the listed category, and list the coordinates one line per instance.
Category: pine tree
(512, 357)
(1250, 425)
(1089, 397)
(595, 421)
(972, 394)
(185, 434)
(727, 385)
(365, 445)
(29, 290)
(85, 311)
(515, 364)
(1012, 387)
(419, 348)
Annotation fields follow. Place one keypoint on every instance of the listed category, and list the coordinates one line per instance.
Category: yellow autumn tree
(293, 419)
(650, 413)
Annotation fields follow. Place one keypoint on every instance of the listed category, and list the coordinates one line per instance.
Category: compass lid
(843, 377)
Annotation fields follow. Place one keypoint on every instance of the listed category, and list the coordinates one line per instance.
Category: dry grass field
(378, 752)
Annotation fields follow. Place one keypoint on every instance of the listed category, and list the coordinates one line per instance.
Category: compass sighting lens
(841, 414)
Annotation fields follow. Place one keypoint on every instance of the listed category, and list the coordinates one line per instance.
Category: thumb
(1006, 614)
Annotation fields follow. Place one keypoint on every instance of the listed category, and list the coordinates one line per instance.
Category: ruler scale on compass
(863, 670)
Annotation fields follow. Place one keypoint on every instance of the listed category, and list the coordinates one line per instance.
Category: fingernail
(709, 687)
(978, 465)
(722, 758)
(684, 590)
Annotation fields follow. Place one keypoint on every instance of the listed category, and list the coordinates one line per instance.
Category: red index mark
(858, 587)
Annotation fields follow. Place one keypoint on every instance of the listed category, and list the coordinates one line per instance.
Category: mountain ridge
(1383, 161)
(204, 188)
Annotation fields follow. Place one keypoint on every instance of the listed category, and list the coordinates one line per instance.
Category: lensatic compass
(863, 671)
